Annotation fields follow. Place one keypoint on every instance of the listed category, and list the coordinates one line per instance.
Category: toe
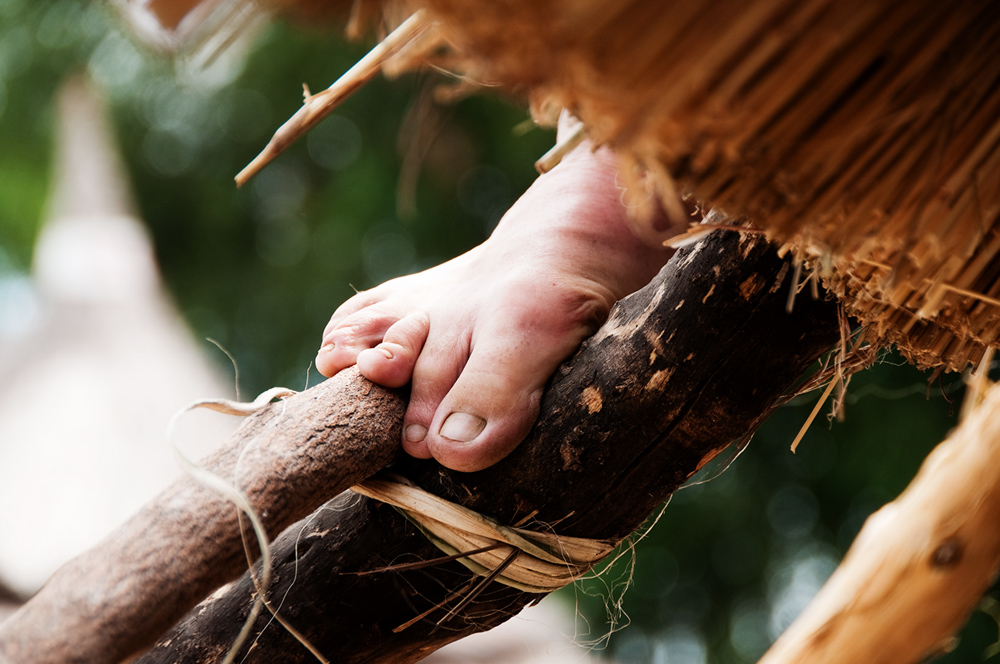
(435, 372)
(494, 402)
(391, 362)
(356, 333)
(361, 300)
(486, 414)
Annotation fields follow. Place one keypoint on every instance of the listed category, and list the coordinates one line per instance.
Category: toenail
(462, 427)
(415, 433)
(385, 351)
(328, 347)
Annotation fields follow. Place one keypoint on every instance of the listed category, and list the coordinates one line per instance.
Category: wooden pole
(118, 597)
(682, 369)
(920, 565)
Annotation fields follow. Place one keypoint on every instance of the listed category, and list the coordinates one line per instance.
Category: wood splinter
(318, 106)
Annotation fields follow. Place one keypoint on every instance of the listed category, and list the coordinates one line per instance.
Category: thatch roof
(864, 136)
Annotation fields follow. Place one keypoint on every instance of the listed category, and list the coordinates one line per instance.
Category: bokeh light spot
(681, 644)
(793, 511)
(485, 192)
(116, 64)
(167, 153)
(280, 190)
(58, 27)
(748, 629)
(335, 143)
(795, 582)
(388, 251)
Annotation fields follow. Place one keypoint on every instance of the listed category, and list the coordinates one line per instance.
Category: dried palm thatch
(864, 136)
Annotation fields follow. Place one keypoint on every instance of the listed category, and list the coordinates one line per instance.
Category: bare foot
(480, 335)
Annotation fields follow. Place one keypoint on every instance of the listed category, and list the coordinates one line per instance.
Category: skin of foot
(479, 336)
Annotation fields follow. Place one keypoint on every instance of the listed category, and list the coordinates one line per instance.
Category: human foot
(480, 335)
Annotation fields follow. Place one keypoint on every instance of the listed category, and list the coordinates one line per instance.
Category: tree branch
(118, 597)
(920, 564)
(681, 370)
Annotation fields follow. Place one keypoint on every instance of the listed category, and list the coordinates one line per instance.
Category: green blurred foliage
(261, 268)
(731, 560)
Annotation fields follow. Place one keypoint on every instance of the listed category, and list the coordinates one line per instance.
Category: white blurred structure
(541, 634)
(94, 362)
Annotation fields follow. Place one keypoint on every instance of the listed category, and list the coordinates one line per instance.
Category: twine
(542, 561)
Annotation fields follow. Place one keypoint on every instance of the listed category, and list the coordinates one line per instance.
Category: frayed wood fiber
(863, 135)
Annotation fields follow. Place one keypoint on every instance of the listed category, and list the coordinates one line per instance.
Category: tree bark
(115, 599)
(681, 370)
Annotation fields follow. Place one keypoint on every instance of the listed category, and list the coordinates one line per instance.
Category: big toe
(491, 407)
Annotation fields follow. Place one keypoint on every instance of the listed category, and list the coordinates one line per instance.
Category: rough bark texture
(681, 370)
(118, 597)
